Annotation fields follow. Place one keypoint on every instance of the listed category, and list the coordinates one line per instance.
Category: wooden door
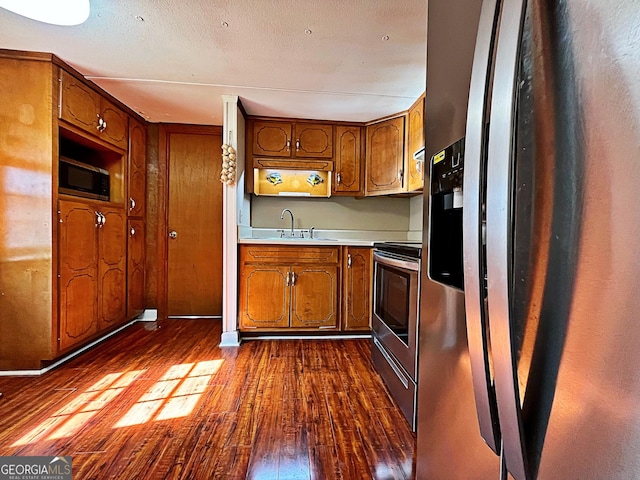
(313, 140)
(79, 104)
(385, 156)
(137, 168)
(348, 164)
(272, 139)
(193, 220)
(135, 267)
(116, 126)
(112, 267)
(78, 282)
(415, 171)
(314, 301)
(264, 294)
(357, 288)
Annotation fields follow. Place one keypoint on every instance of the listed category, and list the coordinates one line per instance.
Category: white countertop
(265, 236)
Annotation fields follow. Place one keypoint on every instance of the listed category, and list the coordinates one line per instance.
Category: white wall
(334, 213)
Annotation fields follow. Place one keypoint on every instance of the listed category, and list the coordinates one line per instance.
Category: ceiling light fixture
(58, 12)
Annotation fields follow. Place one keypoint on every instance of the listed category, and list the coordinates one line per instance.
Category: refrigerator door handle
(500, 171)
(473, 187)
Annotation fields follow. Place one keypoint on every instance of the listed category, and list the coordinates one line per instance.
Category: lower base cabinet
(305, 288)
(289, 287)
(356, 279)
(92, 270)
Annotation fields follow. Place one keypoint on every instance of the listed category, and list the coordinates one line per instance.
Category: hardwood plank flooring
(163, 401)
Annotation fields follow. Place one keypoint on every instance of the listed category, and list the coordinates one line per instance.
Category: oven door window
(393, 287)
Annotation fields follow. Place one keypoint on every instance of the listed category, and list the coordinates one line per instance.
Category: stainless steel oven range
(394, 323)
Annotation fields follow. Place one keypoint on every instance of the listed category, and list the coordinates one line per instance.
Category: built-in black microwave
(82, 180)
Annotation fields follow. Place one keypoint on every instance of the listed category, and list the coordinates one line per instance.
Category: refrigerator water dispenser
(445, 216)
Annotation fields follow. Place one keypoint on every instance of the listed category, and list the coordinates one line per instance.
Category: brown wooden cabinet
(92, 266)
(137, 168)
(295, 140)
(288, 287)
(135, 267)
(86, 109)
(385, 157)
(348, 161)
(356, 279)
(415, 168)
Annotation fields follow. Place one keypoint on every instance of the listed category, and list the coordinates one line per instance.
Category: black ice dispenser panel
(445, 217)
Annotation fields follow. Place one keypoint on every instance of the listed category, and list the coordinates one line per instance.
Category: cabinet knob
(133, 231)
(132, 204)
(348, 260)
(338, 178)
(288, 145)
(297, 144)
(293, 279)
(173, 234)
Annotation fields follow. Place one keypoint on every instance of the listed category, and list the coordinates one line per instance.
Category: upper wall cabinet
(295, 140)
(86, 109)
(415, 170)
(348, 160)
(385, 161)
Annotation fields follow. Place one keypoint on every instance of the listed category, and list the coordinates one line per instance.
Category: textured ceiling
(172, 60)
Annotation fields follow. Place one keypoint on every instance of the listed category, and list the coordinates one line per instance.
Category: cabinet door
(116, 124)
(313, 140)
(264, 296)
(348, 161)
(415, 171)
(135, 267)
(112, 264)
(314, 297)
(385, 157)
(78, 281)
(357, 289)
(137, 169)
(272, 139)
(79, 104)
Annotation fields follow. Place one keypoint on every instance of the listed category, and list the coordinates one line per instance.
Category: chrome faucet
(282, 218)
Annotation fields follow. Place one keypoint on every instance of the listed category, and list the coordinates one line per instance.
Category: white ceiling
(171, 60)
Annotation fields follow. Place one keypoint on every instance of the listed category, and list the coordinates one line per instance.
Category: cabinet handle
(297, 144)
(400, 175)
(348, 260)
(104, 219)
(173, 234)
(419, 166)
(104, 125)
(288, 281)
(288, 145)
(293, 279)
(338, 178)
(133, 231)
(132, 203)
(99, 127)
(98, 220)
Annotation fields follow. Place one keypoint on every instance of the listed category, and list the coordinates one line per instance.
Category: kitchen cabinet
(415, 168)
(86, 109)
(135, 267)
(136, 168)
(292, 139)
(385, 157)
(92, 279)
(288, 287)
(357, 283)
(66, 276)
(349, 160)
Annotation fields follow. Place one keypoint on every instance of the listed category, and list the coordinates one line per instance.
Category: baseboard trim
(307, 337)
(149, 315)
(230, 339)
(66, 358)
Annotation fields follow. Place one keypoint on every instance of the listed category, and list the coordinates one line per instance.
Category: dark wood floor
(161, 400)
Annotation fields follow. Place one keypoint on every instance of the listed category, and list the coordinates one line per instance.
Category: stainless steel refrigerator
(529, 346)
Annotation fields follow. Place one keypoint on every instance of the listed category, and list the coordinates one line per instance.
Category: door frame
(165, 130)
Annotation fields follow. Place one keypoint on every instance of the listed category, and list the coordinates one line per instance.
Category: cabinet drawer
(290, 255)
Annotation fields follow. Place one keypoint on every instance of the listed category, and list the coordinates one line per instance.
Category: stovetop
(409, 249)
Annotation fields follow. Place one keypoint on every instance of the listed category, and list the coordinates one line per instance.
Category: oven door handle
(474, 168)
(383, 259)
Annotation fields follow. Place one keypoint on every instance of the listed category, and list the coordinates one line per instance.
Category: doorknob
(173, 234)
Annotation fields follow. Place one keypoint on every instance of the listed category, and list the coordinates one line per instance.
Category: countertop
(336, 238)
